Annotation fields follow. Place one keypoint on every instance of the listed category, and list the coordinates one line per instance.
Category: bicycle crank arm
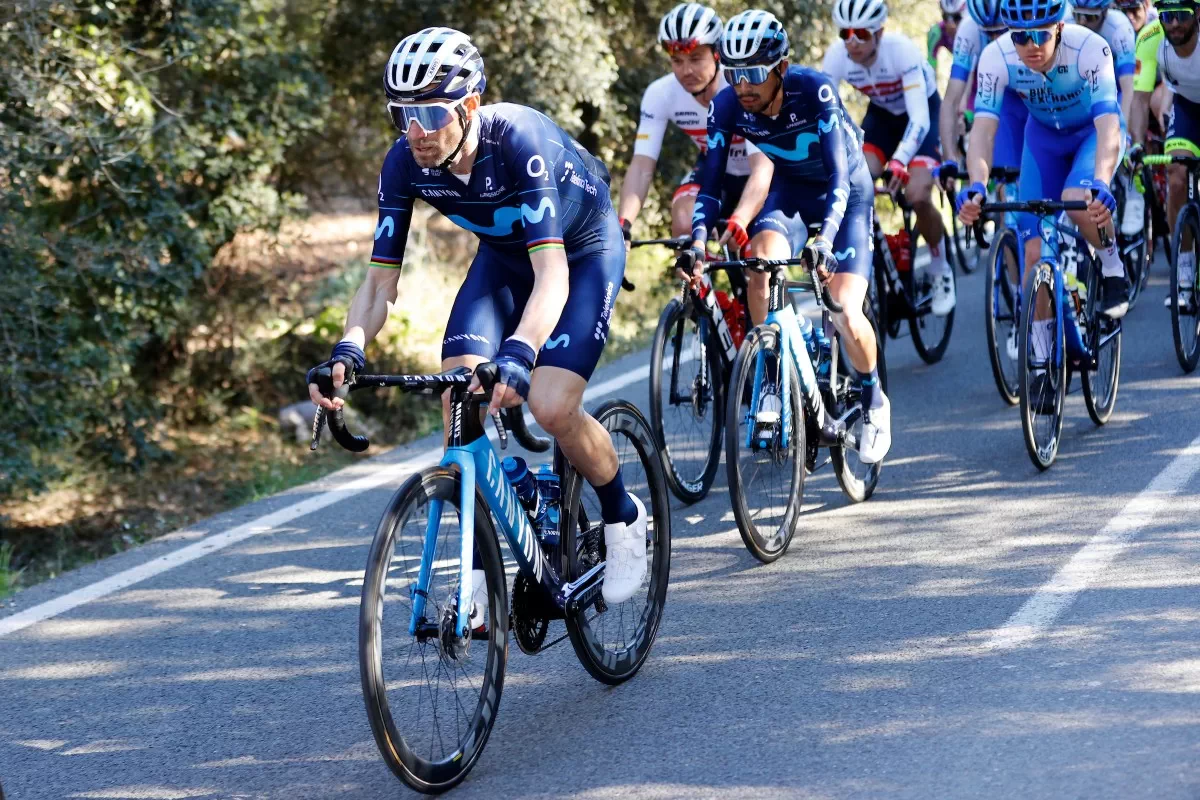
(580, 593)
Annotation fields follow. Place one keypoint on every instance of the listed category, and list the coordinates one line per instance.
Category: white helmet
(953, 6)
(870, 14)
(436, 63)
(690, 23)
(753, 38)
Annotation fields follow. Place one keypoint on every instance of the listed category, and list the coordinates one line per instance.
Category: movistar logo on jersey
(826, 126)
(387, 226)
(505, 218)
(798, 152)
(716, 140)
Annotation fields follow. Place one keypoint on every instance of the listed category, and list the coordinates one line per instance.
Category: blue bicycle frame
(784, 319)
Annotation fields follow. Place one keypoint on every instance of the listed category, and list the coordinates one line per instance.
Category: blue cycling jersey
(531, 187)
(1079, 87)
(1118, 31)
(811, 114)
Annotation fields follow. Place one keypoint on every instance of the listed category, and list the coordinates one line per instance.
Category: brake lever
(317, 424)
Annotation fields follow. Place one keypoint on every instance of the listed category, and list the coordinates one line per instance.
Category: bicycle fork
(789, 332)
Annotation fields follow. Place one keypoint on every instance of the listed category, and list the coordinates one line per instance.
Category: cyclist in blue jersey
(1073, 138)
(539, 293)
(794, 116)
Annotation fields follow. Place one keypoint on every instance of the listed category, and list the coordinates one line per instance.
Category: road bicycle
(817, 396)
(697, 338)
(1062, 330)
(1185, 315)
(432, 650)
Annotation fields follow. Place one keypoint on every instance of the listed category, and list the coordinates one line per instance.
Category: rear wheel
(1043, 367)
(1185, 316)
(858, 480)
(612, 641)
(1002, 315)
(687, 400)
(1104, 341)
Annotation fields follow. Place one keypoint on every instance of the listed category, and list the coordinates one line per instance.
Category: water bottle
(524, 483)
(547, 522)
(548, 527)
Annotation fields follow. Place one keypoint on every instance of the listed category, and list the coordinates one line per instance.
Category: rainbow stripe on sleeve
(545, 244)
(386, 263)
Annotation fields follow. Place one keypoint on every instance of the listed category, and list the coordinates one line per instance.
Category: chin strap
(466, 127)
(778, 89)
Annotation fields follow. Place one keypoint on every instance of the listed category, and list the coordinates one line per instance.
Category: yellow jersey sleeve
(1145, 71)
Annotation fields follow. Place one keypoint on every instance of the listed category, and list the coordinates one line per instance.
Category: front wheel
(1185, 315)
(930, 333)
(431, 700)
(1043, 367)
(612, 642)
(1002, 315)
(764, 453)
(687, 401)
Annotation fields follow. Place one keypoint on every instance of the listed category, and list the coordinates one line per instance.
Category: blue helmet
(986, 13)
(1032, 13)
(753, 39)
(1091, 5)
(434, 64)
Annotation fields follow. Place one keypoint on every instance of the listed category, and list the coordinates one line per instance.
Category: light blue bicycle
(433, 665)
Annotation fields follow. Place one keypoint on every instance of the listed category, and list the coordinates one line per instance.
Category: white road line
(264, 524)
(1041, 610)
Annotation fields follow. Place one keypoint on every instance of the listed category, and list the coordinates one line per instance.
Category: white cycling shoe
(625, 562)
(944, 297)
(876, 437)
(1135, 214)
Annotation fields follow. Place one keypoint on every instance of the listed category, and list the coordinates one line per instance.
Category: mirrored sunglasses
(1037, 38)
(752, 75)
(1175, 16)
(857, 34)
(430, 116)
(955, 18)
(681, 48)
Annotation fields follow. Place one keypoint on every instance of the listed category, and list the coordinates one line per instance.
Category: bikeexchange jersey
(666, 100)
(531, 187)
(1117, 30)
(811, 114)
(899, 81)
(1079, 87)
(1156, 56)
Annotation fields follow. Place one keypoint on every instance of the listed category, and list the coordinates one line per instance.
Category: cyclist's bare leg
(1033, 255)
(849, 291)
(873, 163)
(920, 195)
(681, 212)
(556, 402)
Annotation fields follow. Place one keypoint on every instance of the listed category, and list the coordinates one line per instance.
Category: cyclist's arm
(1124, 62)
(380, 289)
(1096, 62)
(916, 103)
(1139, 116)
(992, 79)
(636, 186)
(1126, 84)
(551, 285)
(1145, 70)
(830, 120)
(755, 191)
(720, 134)
(948, 118)
(646, 148)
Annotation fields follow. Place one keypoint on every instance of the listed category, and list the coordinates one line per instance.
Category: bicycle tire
(1185, 323)
(617, 665)
(1002, 304)
(1133, 254)
(1042, 453)
(929, 344)
(695, 484)
(857, 488)
(1100, 384)
(877, 295)
(762, 547)
(399, 753)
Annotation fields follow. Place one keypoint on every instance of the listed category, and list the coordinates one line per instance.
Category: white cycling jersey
(1117, 30)
(665, 101)
(899, 80)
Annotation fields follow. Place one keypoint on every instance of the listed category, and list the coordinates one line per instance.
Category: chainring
(529, 626)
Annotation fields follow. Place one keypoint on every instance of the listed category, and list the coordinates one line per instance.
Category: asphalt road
(864, 663)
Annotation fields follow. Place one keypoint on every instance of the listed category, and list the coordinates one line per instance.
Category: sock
(1043, 334)
(1110, 261)
(871, 396)
(615, 503)
(1187, 268)
(938, 265)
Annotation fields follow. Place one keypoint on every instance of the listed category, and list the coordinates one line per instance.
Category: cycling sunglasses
(430, 116)
(752, 75)
(1091, 17)
(681, 48)
(1174, 16)
(955, 18)
(863, 35)
(1037, 38)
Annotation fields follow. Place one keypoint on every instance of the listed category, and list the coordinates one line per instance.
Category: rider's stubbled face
(755, 96)
(1178, 33)
(431, 149)
(695, 70)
